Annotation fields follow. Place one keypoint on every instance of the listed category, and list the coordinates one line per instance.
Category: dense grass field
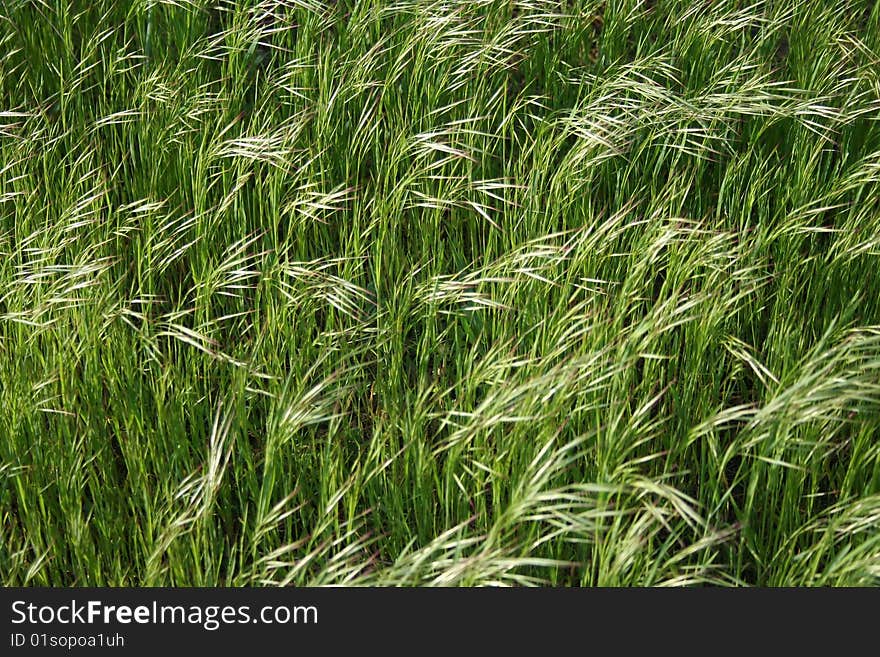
(450, 292)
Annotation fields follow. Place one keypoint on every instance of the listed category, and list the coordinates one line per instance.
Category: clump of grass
(439, 293)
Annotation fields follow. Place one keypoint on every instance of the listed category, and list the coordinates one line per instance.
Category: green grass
(439, 292)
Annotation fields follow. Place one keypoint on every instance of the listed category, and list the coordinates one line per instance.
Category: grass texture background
(439, 292)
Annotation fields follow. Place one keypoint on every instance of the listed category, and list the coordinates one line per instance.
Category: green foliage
(439, 292)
